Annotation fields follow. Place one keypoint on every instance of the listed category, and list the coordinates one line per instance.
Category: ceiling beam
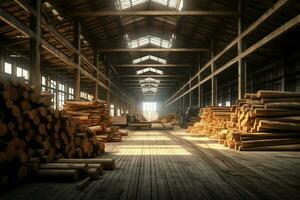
(152, 65)
(155, 50)
(153, 13)
(150, 75)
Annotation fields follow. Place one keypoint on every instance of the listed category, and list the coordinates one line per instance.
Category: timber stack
(266, 120)
(31, 132)
(93, 118)
(214, 122)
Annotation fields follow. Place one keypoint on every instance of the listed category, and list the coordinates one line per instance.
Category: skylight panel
(147, 40)
(149, 57)
(149, 69)
(155, 41)
(149, 89)
(125, 4)
(143, 41)
(149, 84)
(149, 80)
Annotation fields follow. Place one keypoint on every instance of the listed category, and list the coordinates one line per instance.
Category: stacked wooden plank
(32, 132)
(214, 121)
(93, 117)
(87, 113)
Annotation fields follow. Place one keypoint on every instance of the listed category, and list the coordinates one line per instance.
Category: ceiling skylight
(149, 89)
(149, 85)
(149, 80)
(176, 4)
(149, 39)
(149, 57)
(149, 69)
(125, 4)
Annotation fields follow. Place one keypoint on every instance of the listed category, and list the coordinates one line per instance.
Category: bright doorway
(150, 110)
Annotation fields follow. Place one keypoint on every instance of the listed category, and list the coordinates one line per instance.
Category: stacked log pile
(93, 117)
(31, 132)
(266, 120)
(214, 122)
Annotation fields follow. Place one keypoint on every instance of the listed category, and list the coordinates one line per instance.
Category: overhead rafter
(155, 50)
(152, 65)
(154, 13)
(153, 76)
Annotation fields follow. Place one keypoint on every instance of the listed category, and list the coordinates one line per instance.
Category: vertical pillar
(2, 55)
(283, 78)
(242, 70)
(213, 79)
(109, 87)
(96, 88)
(190, 93)
(199, 87)
(57, 93)
(201, 97)
(35, 45)
(77, 43)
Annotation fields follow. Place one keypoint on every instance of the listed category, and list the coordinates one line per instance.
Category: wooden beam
(151, 65)
(274, 9)
(154, 50)
(153, 13)
(153, 76)
(276, 33)
(35, 46)
(15, 23)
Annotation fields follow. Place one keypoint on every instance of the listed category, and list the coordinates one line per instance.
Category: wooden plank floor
(171, 165)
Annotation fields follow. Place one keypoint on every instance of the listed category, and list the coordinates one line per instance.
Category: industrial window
(112, 110)
(61, 95)
(53, 92)
(219, 104)
(7, 68)
(149, 57)
(71, 93)
(227, 103)
(22, 73)
(149, 39)
(44, 81)
(86, 96)
(118, 112)
(149, 69)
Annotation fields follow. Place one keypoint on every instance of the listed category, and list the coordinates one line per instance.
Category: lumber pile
(267, 120)
(214, 122)
(93, 117)
(262, 121)
(169, 119)
(31, 132)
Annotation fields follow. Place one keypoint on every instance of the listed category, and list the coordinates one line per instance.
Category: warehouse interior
(149, 99)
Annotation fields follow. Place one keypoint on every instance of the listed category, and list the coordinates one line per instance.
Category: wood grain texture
(172, 165)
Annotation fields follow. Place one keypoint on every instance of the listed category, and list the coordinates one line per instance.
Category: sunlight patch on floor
(163, 150)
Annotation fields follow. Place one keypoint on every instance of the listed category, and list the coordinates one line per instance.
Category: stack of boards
(32, 132)
(266, 120)
(93, 117)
